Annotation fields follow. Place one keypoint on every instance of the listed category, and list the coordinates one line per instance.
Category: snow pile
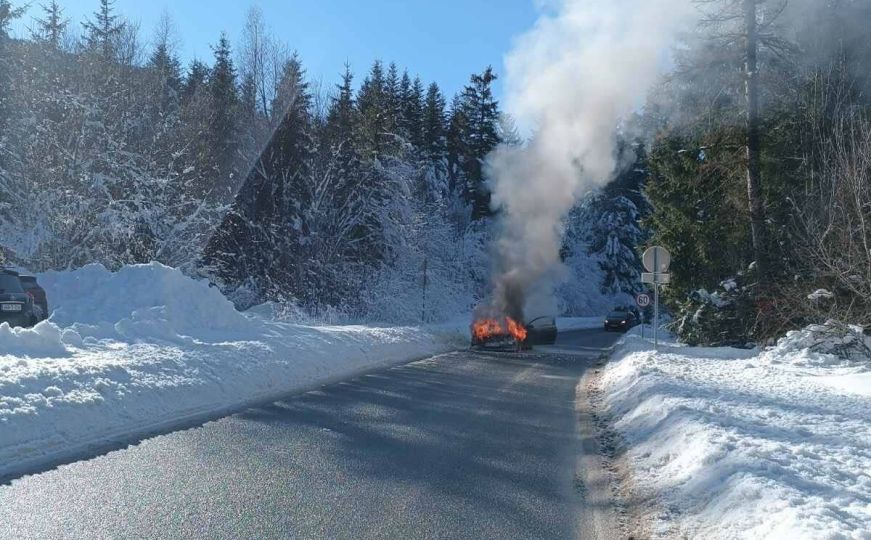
(147, 348)
(830, 344)
(44, 339)
(140, 302)
(747, 444)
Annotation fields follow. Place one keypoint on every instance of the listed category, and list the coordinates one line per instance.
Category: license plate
(11, 307)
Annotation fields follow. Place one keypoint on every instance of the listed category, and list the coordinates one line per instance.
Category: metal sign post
(656, 260)
(425, 283)
(656, 255)
(655, 315)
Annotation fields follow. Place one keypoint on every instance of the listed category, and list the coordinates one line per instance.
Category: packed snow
(730, 443)
(147, 348)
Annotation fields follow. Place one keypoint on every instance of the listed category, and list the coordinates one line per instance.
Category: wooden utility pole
(754, 180)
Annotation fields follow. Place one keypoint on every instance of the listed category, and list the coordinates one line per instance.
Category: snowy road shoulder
(746, 444)
(172, 350)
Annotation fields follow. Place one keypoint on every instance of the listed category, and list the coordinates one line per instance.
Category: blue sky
(441, 40)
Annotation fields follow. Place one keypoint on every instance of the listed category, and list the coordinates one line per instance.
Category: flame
(483, 329)
(517, 330)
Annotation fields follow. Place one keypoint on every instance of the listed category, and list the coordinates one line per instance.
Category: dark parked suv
(31, 287)
(16, 306)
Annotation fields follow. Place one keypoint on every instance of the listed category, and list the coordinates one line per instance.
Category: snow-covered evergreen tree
(617, 233)
(616, 236)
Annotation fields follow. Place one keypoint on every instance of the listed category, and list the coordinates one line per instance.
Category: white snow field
(748, 444)
(148, 348)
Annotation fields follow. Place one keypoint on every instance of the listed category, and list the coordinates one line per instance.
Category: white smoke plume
(582, 67)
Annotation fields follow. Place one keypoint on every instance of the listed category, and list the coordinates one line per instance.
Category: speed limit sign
(642, 300)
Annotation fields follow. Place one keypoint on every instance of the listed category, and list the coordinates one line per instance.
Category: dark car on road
(621, 321)
(541, 331)
(16, 306)
(40, 301)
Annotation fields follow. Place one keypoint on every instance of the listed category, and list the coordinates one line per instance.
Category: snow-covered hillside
(749, 444)
(146, 348)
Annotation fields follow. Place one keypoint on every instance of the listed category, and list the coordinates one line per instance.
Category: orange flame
(483, 329)
(486, 328)
(517, 330)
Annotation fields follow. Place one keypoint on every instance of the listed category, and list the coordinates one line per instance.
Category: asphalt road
(463, 445)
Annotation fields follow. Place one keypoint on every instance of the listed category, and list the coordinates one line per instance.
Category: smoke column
(583, 66)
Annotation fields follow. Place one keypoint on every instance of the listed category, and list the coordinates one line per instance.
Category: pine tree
(482, 110)
(372, 106)
(616, 235)
(289, 152)
(393, 111)
(456, 144)
(223, 125)
(7, 15)
(411, 102)
(403, 128)
(50, 29)
(102, 34)
(166, 72)
(260, 238)
(341, 120)
(476, 121)
(617, 214)
(248, 98)
(508, 132)
(341, 143)
(433, 124)
(196, 78)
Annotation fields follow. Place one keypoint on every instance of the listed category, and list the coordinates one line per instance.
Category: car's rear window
(10, 284)
(27, 281)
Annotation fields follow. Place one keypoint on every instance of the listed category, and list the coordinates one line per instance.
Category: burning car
(504, 331)
(498, 331)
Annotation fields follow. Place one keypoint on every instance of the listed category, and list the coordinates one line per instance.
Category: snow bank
(139, 302)
(747, 444)
(44, 339)
(148, 348)
(831, 344)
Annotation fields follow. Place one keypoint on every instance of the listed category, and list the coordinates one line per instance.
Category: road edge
(599, 515)
(608, 467)
(635, 513)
